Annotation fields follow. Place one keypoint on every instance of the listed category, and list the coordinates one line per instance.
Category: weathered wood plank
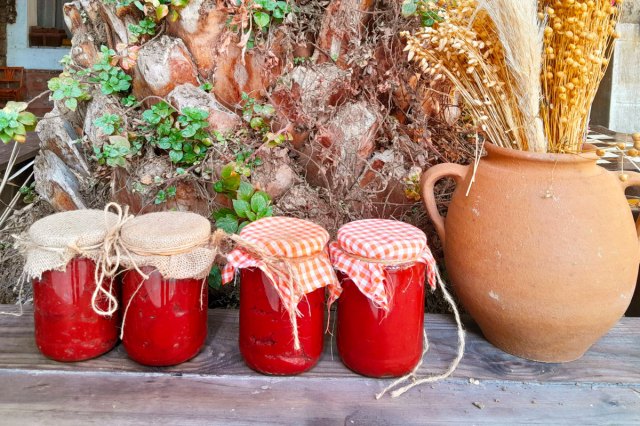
(614, 359)
(50, 398)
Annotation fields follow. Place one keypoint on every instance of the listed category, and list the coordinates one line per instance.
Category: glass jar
(265, 327)
(284, 269)
(382, 265)
(165, 307)
(378, 343)
(66, 326)
(166, 319)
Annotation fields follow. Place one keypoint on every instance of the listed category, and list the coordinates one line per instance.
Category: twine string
(452, 367)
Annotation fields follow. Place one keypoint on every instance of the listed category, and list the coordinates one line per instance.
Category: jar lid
(155, 232)
(382, 239)
(51, 242)
(286, 236)
(177, 244)
(74, 227)
(365, 248)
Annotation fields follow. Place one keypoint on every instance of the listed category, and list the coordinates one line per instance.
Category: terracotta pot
(542, 252)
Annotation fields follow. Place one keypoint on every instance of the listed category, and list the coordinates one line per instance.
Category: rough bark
(361, 119)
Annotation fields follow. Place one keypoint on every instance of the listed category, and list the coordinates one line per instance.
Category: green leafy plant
(266, 11)
(112, 78)
(146, 27)
(215, 277)
(28, 193)
(109, 123)
(116, 152)
(15, 122)
(229, 180)
(67, 88)
(206, 86)
(259, 117)
(165, 194)
(185, 138)
(427, 11)
(248, 205)
(129, 101)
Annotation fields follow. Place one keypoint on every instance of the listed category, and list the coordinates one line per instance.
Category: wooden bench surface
(216, 387)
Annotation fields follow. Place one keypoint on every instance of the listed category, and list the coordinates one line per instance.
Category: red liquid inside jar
(266, 334)
(166, 323)
(378, 344)
(66, 326)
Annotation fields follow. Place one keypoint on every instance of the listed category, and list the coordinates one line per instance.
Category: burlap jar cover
(53, 241)
(177, 244)
(365, 249)
(292, 254)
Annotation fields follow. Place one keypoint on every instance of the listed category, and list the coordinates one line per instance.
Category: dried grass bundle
(527, 69)
(489, 50)
(521, 37)
(578, 46)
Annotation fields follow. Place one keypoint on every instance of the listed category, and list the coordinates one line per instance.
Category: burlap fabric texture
(177, 244)
(51, 242)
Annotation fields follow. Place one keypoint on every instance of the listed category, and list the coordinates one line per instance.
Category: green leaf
(228, 224)
(409, 7)
(71, 103)
(222, 212)
(259, 201)
(215, 278)
(241, 207)
(162, 11)
(252, 216)
(245, 191)
(261, 19)
(175, 156)
(119, 142)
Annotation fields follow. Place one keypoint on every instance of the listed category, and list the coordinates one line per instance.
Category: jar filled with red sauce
(73, 319)
(166, 321)
(380, 314)
(164, 291)
(269, 317)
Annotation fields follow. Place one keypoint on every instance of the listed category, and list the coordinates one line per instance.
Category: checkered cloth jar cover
(365, 248)
(299, 243)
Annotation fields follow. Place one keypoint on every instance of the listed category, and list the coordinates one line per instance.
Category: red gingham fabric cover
(379, 239)
(288, 238)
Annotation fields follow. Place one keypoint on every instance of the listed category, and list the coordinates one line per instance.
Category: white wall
(625, 86)
(19, 54)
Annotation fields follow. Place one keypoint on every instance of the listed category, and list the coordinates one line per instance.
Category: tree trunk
(362, 125)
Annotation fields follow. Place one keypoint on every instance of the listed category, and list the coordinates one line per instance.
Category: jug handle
(429, 179)
(634, 180)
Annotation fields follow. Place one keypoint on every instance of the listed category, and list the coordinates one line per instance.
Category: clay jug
(542, 251)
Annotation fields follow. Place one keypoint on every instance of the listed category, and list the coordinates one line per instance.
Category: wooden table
(217, 388)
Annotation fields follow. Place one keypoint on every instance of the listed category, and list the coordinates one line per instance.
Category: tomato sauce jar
(75, 318)
(284, 269)
(164, 290)
(380, 314)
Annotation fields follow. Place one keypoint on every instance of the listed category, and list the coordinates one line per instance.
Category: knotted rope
(452, 367)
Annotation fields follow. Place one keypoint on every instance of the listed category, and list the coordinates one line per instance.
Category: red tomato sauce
(266, 334)
(165, 323)
(374, 343)
(66, 326)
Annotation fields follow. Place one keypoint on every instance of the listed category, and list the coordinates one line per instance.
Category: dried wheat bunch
(491, 52)
(578, 45)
